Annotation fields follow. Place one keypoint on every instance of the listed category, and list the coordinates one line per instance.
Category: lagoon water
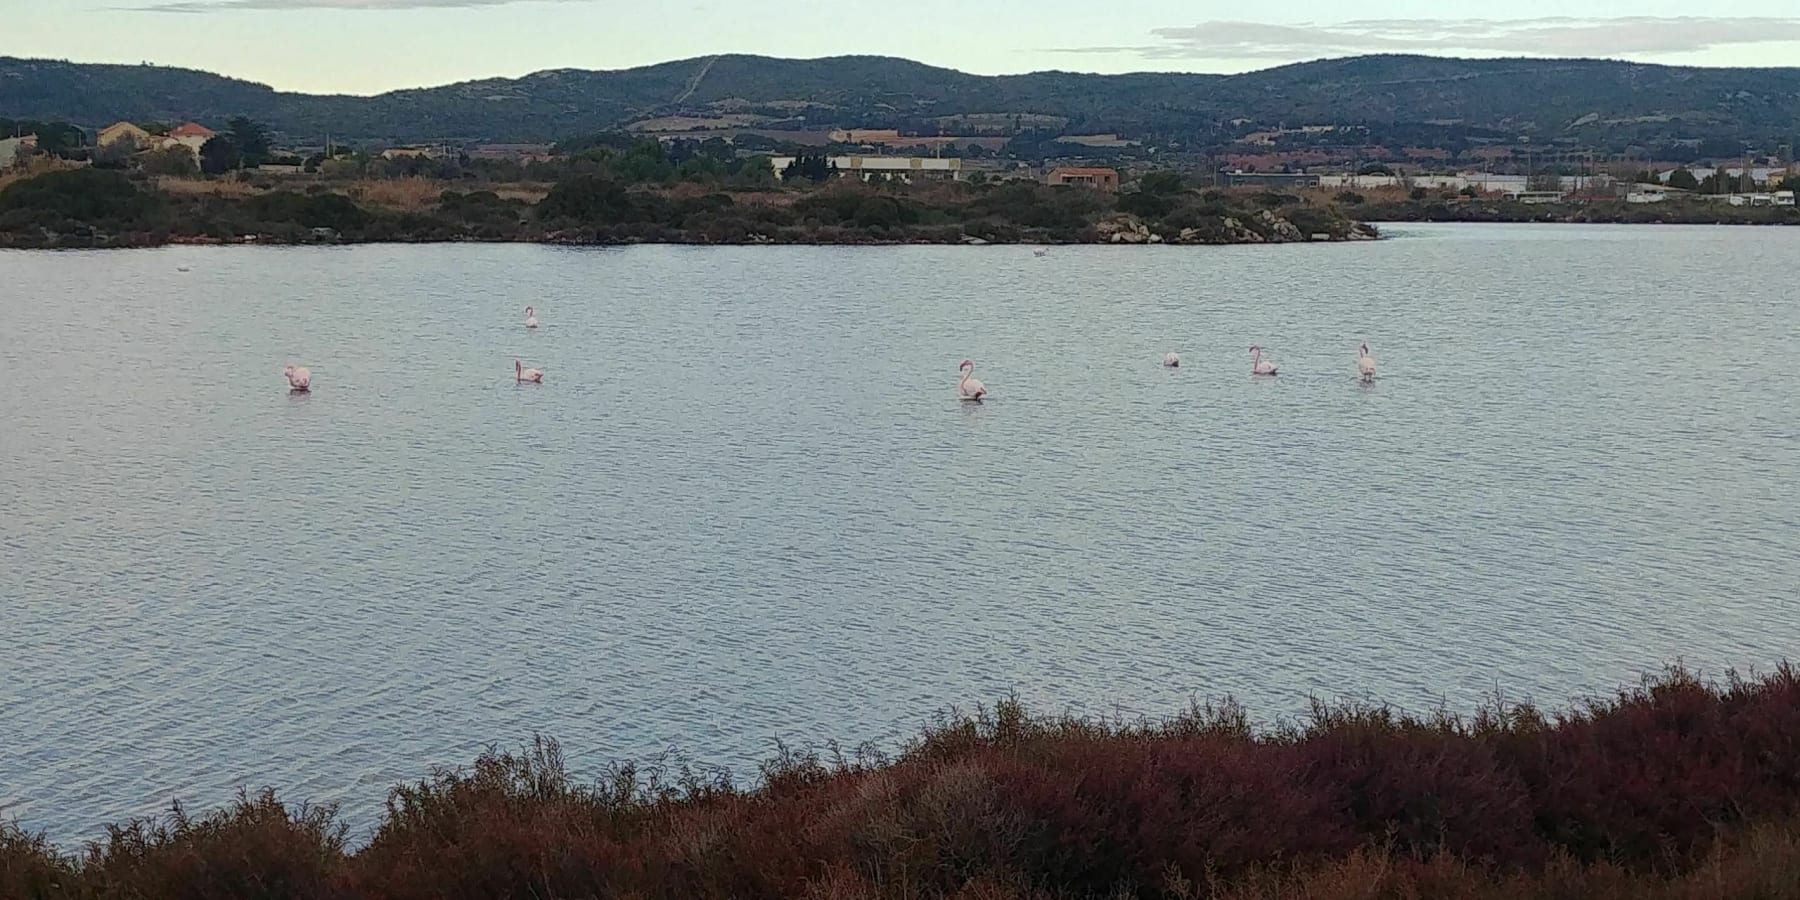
(746, 506)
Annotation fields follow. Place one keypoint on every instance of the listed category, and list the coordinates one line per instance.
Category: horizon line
(873, 56)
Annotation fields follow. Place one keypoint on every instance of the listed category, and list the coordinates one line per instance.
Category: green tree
(1161, 183)
(644, 163)
(175, 161)
(810, 168)
(878, 212)
(251, 140)
(219, 155)
(114, 155)
(54, 138)
(590, 199)
(1146, 205)
(1682, 179)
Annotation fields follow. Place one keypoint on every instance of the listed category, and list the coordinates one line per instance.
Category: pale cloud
(1553, 36)
(208, 6)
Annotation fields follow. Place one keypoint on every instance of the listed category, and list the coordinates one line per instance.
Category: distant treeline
(637, 196)
(1679, 789)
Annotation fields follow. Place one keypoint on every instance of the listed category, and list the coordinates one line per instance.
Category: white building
(13, 150)
(1778, 198)
(1485, 182)
(191, 135)
(1757, 173)
(905, 168)
(1654, 193)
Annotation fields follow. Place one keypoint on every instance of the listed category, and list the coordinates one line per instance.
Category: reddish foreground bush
(1676, 789)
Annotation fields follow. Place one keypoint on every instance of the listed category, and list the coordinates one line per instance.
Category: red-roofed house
(193, 136)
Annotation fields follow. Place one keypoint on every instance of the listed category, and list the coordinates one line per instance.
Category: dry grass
(34, 167)
(208, 187)
(421, 194)
(530, 192)
(403, 194)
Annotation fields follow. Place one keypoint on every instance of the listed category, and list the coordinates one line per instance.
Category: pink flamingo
(530, 317)
(299, 378)
(522, 374)
(1172, 360)
(1258, 365)
(1365, 364)
(969, 387)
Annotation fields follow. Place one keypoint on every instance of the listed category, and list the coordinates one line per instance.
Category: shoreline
(1600, 213)
(88, 207)
(1652, 785)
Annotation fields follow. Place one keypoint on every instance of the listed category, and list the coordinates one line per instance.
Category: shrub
(1146, 205)
(98, 198)
(589, 199)
(257, 848)
(1678, 788)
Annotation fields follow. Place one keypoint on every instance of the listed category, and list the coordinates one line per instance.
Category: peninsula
(638, 196)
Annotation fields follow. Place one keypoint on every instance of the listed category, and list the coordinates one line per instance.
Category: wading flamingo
(1041, 252)
(522, 374)
(969, 387)
(299, 378)
(1172, 360)
(1258, 365)
(530, 317)
(1365, 364)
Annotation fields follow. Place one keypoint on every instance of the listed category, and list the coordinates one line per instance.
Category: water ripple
(746, 505)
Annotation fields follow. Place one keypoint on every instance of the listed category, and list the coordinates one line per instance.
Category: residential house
(13, 151)
(903, 168)
(123, 131)
(1267, 179)
(522, 153)
(191, 135)
(410, 153)
(1099, 179)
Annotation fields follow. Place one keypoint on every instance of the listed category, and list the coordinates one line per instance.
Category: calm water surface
(746, 505)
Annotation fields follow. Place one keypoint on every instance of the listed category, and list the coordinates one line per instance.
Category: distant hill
(1599, 101)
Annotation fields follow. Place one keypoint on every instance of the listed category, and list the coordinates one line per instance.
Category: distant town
(1310, 156)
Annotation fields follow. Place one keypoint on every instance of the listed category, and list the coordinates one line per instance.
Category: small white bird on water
(299, 378)
(970, 388)
(530, 317)
(1260, 366)
(1172, 360)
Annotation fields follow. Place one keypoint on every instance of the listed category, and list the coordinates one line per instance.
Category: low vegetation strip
(106, 208)
(1676, 788)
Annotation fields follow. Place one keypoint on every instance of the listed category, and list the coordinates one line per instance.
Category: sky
(370, 46)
